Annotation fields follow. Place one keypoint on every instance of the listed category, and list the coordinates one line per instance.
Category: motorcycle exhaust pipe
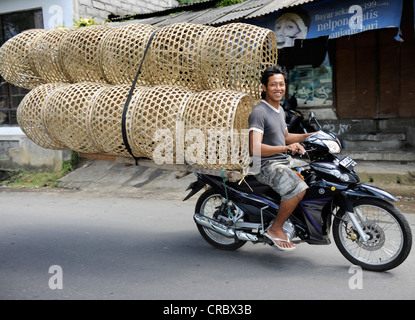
(223, 229)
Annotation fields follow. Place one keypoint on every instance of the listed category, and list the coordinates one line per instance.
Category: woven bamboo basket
(121, 52)
(234, 55)
(67, 115)
(16, 66)
(175, 55)
(79, 54)
(44, 53)
(216, 124)
(106, 117)
(30, 116)
(154, 117)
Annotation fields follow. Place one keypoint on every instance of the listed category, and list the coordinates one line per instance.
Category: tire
(390, 235)
(207, 204)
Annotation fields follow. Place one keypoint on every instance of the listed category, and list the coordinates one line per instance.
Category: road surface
(76, 245)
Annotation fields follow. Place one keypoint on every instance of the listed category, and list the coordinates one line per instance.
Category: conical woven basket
(79, 54)
(67, 115)
(154, 115)
(16, 66)
(121, 52)
(175, 55)
(30, 114)
(44, 54)
(216, 124)
(234, 56)
(106, 117)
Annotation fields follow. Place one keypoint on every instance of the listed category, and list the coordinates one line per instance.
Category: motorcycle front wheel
(390, 237)
(208, 205)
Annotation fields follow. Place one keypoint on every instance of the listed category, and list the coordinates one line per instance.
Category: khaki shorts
(280, 177)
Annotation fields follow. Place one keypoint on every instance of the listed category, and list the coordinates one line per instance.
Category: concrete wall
(55, 12)
(373, 126)
(19, 152)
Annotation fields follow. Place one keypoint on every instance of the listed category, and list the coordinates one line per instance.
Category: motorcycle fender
(194, 188)
(367, 190)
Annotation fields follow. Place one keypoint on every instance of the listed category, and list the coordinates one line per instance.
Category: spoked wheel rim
(386, 238)
(208, 208)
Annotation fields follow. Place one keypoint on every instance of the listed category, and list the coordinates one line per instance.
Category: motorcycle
(294, 118)
(367, 229)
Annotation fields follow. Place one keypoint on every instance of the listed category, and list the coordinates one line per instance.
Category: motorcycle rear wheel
(208, 204)
(390, 237)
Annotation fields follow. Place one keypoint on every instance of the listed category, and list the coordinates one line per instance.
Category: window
(10, 25)
(312, 87)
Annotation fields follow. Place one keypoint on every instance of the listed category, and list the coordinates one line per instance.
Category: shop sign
(334, 19)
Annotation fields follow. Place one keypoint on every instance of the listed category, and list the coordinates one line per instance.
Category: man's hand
(296, 148)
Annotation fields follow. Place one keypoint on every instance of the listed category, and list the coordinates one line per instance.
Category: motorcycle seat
(258, 188)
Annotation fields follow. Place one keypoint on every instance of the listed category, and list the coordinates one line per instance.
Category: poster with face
(290, 26)
(333, 19)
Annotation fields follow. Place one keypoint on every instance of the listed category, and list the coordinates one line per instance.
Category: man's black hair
(270, 71)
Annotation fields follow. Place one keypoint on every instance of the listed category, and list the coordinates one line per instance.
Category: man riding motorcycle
(269, 134)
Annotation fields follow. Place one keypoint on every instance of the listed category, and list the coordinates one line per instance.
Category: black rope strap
(127, 102)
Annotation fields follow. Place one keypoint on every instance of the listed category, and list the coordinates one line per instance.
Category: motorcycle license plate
(348, 163)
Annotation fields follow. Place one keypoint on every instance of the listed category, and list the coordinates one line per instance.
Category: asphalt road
(69, 245)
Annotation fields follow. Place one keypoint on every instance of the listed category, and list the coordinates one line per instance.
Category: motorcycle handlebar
(289, 152)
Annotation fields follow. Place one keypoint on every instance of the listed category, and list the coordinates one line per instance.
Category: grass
(37, 179)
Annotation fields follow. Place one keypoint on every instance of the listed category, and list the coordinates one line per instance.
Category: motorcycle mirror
(313, 118)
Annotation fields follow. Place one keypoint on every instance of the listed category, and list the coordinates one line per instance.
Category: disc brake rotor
(376, 236)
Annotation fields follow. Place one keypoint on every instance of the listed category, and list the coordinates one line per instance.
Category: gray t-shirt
(271, 123)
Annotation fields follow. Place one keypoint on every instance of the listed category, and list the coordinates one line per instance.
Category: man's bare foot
(280, 240)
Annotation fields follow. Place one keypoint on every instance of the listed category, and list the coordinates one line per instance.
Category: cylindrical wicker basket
(121, 52)
(234, 56)
(30, 116)
(79, 54)
(67, 115)
(154, 113)
(175, 55)
(215, 125)
(106, 117)
(183, 54)
(16, 66)
(44, 54)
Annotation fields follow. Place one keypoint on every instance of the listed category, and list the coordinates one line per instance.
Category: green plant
(83, 22)
(39, 179)
(185, 2)
(224, 3)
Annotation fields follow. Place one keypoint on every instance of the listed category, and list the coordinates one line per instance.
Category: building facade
(351, 62)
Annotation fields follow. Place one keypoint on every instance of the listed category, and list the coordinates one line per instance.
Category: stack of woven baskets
(196, 81)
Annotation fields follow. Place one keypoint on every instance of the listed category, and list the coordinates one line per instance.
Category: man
(270, 140)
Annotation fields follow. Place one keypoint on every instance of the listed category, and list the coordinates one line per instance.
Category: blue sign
(334, 19)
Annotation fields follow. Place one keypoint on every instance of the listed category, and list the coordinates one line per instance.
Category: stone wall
(100, 9)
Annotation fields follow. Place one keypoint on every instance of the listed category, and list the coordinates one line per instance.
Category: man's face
(275, 89)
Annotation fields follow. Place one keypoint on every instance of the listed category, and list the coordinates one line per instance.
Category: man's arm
(293, 141)
(295, 137)
(258, 148)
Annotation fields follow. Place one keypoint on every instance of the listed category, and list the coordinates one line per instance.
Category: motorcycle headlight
(333, 145)
(342, 176)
